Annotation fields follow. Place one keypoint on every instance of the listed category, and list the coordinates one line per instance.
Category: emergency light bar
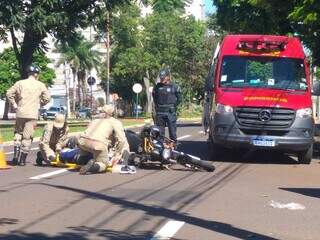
(262, 45)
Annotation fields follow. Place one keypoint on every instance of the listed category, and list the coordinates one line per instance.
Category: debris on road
(290, 206)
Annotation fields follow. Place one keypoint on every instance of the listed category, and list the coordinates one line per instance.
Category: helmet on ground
(155, 132)
(164, 73)
(33, 69)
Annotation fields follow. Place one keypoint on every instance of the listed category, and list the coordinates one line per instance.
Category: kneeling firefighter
(54, 138)
(97, 140)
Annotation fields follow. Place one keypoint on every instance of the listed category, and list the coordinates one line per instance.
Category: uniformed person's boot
(16, 153)
(39, 159)
(22, 158)
(91, 167)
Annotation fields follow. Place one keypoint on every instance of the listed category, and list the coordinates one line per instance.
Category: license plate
(263, 142)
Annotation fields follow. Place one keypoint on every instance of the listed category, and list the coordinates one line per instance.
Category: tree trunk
(30, 43)
(6, 110)
(82, 86)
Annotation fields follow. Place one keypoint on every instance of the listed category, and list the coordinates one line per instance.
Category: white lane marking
(182, 137)
(49, 174)
(35, 148)
(201, 131)
(168, 230)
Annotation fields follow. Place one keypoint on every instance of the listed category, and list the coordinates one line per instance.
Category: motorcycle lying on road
(150, 147)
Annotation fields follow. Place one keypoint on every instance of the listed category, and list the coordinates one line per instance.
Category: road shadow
(159, 211)
(201, 150)
(310, 192)
(8, 221)
(188, 124)
(79, 233)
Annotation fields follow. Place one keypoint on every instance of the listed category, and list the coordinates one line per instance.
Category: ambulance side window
(211, 75)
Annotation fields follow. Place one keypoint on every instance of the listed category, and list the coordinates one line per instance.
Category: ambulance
(258, 96)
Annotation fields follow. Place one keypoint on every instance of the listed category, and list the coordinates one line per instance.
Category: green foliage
(140, 47)
(81, 56)
(254, 16)
(272, 17)
(9, 69)
(36, 19)
(180, 43)
(259, 70)
(163, 6)
(190, 111)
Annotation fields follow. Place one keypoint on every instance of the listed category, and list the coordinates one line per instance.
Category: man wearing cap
(25, 96)
(97, 139)
(54, 138)
(166, 97)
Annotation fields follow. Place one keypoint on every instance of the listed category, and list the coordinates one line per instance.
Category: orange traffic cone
(3, 162)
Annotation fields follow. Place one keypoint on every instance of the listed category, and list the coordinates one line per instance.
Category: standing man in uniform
(97, 140)
(25, 96)
(166, 97)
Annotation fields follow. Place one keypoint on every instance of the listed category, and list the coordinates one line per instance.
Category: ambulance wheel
(39, 159)
(305, 157)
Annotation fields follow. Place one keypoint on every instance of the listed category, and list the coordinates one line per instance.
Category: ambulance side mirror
(316, 88)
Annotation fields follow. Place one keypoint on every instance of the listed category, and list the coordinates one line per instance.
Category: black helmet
(155, 132)
(33, 69)
(164, 73)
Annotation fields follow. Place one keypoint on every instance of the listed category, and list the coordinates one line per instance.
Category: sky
(209, 8)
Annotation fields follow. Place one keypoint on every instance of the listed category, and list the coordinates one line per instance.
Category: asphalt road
(234, 202)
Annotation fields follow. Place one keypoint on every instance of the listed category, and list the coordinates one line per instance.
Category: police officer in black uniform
(166, 97)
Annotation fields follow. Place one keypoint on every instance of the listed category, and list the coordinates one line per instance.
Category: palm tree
(81, 56)
(90, 58)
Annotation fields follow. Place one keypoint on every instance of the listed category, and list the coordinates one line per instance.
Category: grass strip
(7, 132)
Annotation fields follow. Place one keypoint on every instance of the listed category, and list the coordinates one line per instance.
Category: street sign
(137, 88)
(91, 81)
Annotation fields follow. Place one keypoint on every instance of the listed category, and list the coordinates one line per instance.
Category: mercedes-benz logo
(265, 115)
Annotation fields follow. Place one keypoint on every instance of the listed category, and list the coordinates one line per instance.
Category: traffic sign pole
(137, 88)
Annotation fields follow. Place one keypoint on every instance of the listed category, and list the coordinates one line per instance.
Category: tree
(180, 43)
(29, 22)
(272, 17)
(141, 46)
(306, 18)
(9, 71)
(81, 56)
(162, 6)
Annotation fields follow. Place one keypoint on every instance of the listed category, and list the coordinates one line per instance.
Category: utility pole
(107, 42)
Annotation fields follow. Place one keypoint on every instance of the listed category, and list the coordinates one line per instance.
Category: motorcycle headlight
(220, 108)
(166, 153)
(304, 113)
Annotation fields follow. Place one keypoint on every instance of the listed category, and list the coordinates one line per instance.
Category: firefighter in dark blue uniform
(166, 97)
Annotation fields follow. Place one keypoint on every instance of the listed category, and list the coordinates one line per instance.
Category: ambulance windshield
(263, 72)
